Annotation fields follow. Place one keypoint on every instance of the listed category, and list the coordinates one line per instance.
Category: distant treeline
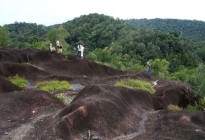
(191, 29)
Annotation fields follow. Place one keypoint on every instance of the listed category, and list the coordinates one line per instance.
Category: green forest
(174, 48)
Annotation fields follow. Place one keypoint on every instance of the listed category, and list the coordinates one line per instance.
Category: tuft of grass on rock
(174, 107)
(135, 84)
(17, 80)
(60, 96)
(53, 85)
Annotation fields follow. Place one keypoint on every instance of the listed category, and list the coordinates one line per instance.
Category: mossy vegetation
(135, 84)
(17, 80)
(174, 107)
(60, 96)
(54, 85)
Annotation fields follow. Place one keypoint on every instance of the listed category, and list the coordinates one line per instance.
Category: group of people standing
(58, 48)
(80, 50)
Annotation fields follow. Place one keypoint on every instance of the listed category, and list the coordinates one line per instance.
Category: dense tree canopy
(24, 34)
(110, 40)
(189, 28)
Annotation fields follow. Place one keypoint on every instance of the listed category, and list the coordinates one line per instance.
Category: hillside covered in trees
(192, 29)
(175, 48)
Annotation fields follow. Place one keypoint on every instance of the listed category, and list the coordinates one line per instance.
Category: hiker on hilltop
(52, 48)
(148, 72)
(80, 49)
(59, 47)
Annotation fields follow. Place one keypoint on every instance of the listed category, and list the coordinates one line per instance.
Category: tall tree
(4, 37)
(58, 34)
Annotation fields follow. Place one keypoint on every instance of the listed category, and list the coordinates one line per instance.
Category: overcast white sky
(49, 12)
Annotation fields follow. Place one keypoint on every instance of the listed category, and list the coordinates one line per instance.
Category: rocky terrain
(99, 111)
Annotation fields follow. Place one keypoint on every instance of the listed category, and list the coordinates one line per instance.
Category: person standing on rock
(59, 47)
(80, 49)
(52, 48)
(148, 72)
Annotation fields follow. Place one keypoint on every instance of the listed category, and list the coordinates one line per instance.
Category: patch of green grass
(53, 85)
(17, 80)
(174, 107)
(135, 84)
(60, 96)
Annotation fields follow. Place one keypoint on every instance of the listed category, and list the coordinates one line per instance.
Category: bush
(54, 85)
(135, 84)
(194, 76)
(200, 106)
(184, 75)
(137, 67)
(191, 107)
(17, 80)
(159, 67)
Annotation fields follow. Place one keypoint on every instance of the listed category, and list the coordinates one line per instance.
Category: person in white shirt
(57, 43)
(80, 49)
(52, 48)
(59, 47)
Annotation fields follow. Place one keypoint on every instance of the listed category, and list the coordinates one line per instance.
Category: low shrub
(135, 84)
(191, 107)
(200, 106)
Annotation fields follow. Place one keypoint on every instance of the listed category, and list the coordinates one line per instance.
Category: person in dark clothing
(148, 72)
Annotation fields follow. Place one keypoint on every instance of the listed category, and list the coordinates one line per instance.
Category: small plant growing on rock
(135, 84)
(174, 107)
(60, 96)
(54, 85)
(17, 80)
